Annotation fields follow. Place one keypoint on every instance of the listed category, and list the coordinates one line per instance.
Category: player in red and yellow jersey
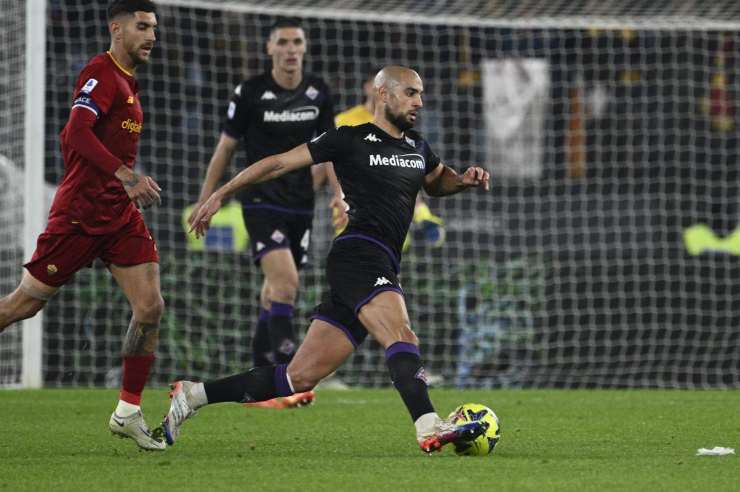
(95, 214)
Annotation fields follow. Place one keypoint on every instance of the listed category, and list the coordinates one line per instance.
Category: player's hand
(339, 217)
(196, 207)
(142, 190)
(200, 221)
(475, 177)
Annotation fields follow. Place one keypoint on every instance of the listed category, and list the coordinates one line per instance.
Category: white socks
(426, 425)
(126, 409)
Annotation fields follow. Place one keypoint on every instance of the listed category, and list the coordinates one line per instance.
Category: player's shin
(138, 357)
(257, 384)
(407, 373)
(261, 347)
(283, 337)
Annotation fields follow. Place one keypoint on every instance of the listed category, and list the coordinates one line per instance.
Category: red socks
(135, 372)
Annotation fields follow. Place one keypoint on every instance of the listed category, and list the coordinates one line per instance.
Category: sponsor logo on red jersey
(131, 125)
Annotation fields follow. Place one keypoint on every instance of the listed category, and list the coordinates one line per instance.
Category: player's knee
(5, 315)
(407, 335)
(284, 291)
(10, 311)
(30, 309)
(149, 311)
(401, 329)
(303, 380)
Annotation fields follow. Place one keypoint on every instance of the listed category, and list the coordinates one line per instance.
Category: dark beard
(136, 59)
(397, 120)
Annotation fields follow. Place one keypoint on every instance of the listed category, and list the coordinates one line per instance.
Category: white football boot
(180, 410)
(433, 432)
(134, 427)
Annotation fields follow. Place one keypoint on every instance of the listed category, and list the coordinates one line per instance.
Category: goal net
(606, 254)
(12, 34)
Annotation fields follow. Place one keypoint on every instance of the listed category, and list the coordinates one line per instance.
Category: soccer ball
(485, 443)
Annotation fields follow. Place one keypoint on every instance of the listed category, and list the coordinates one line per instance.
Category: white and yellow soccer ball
(485, 443)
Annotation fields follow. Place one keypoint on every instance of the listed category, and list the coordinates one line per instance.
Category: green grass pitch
(363, 440)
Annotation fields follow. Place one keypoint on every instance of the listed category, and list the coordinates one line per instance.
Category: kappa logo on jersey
(268, 95)
(231, 111)
(381, 281)
(304, 113)
(277, 236)
(312, 92)
(409, 141)
(260, 246)
(372, 138)
(238, 90)
(130, 100)
(414, 161)
(89, 86)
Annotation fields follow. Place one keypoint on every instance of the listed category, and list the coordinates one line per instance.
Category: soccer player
(381, 167)
(273, 113)
(94, 213)
(431, 225)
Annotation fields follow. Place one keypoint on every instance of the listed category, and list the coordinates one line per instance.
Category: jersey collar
(120, 67)
(401, 140)
(280, 88)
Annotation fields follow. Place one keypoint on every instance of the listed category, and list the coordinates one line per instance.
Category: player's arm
(142, 190)
(337, 204)
(220, 160)
(270, 167)
(443, 180)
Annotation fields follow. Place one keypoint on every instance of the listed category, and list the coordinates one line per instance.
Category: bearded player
(431, 225)
(381, 166)
(95, 214)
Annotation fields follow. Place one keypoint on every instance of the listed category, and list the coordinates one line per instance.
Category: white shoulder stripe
(86, 107)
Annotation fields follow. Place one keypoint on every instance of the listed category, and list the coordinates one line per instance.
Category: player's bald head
(394, 75)
(398, 98)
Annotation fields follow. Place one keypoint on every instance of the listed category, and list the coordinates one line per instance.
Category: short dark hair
(283, 22)
(118, 7)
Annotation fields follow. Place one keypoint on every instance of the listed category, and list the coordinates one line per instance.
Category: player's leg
(322, 351)
(385, 318)
(261, 347)
(56, 260)
(281, 276)
(140, 285)
(25, 301)
(131, 255)
(271, 240)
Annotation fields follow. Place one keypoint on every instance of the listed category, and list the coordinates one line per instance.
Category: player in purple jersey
(381, 167)
(272, 113)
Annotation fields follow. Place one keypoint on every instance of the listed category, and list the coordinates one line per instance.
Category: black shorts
(270, 229)
(357, 270)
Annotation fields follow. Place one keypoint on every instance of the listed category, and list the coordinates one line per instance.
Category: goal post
(34, 216)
